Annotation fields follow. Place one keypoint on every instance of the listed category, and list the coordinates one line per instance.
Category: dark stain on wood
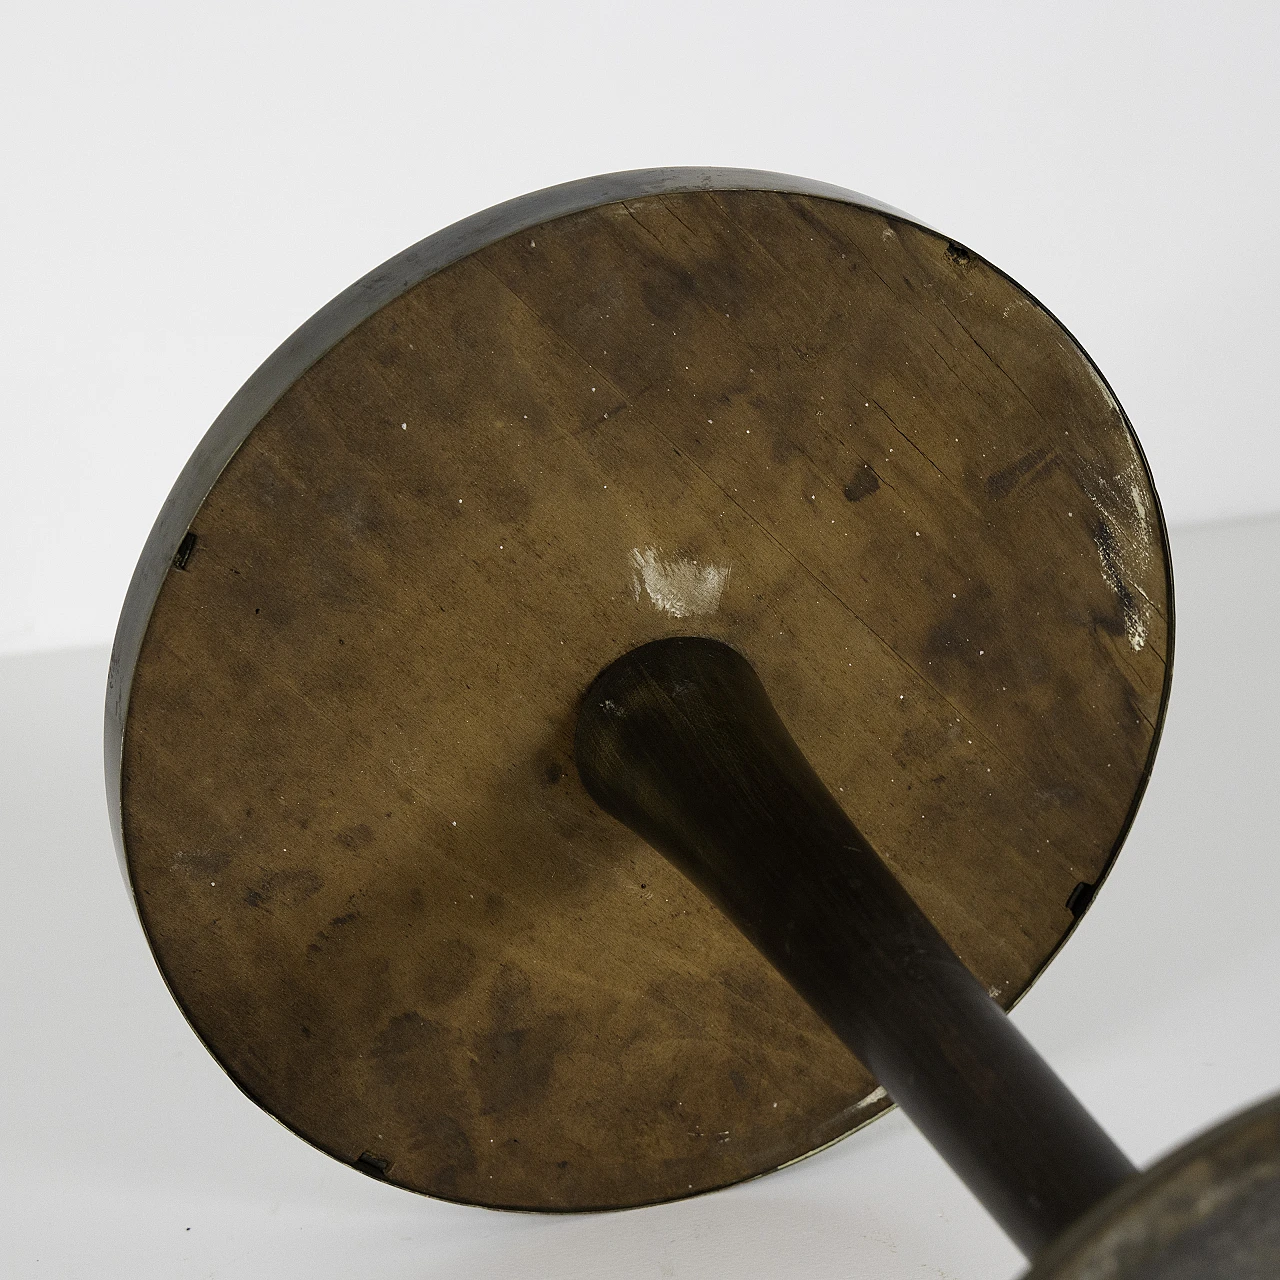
(1007, 479)
(865, 482)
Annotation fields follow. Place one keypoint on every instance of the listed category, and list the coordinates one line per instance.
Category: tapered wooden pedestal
(679, 740)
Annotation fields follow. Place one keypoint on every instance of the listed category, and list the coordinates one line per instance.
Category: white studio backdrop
(185, 183)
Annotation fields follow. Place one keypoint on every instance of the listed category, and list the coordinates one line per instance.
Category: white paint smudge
(677, 585)
(876, 1095)
(1100, 383)
(1125, 539)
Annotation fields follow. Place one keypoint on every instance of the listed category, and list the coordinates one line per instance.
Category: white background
(182, 185)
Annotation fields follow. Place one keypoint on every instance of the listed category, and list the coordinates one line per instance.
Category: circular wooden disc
(345, 684)
(1208, 1211)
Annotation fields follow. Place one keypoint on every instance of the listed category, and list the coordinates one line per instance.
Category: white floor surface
(124, 1150)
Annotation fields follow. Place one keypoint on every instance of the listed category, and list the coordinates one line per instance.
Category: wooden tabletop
(795, 422)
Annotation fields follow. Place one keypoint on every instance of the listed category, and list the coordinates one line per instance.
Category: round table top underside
(820, 433)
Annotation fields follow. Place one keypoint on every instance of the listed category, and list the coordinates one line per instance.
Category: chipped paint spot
(1100, 383)
(1125, 538)
(678, 585)
(876, 1095)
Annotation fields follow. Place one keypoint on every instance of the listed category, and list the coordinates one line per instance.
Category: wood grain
(359, 847)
